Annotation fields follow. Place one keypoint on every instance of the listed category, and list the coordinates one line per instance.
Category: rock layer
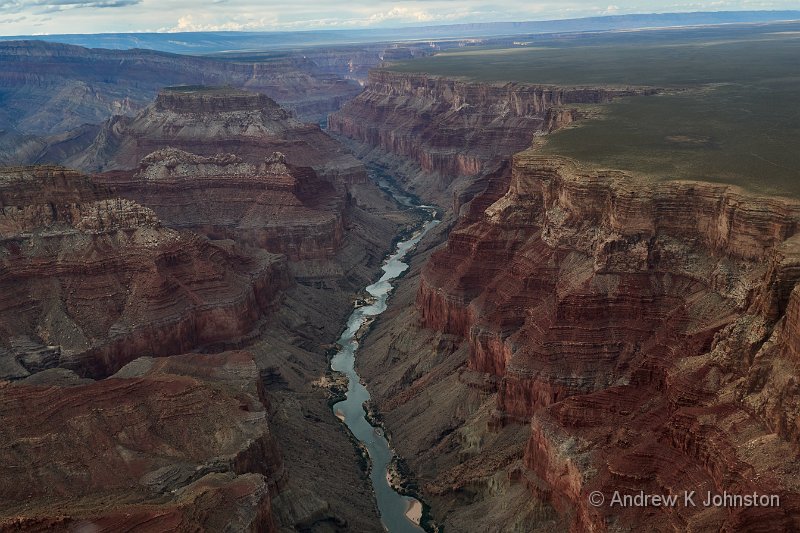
(645, 331)
(172, 444)
(208, 121)
(99, 281)
(455, 128)
(50, 88)
(271, 205)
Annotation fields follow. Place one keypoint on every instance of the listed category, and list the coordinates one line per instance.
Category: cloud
(191, 22)
(48, 6)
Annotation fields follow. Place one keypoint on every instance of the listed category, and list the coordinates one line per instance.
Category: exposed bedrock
(271, 205)
(645, 331)
(91, 282)
(263, 178)
(180, 443)
(208, 121)
(454, 128)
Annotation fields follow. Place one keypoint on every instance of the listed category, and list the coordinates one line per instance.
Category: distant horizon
(99, 17)
(422, 26)
(204, 43)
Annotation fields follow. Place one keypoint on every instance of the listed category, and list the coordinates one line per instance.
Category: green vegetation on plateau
(730, 111)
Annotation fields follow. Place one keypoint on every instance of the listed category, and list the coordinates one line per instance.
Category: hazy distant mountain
(210, 42)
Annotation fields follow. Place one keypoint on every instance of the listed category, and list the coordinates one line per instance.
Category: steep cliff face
(209, 121)
(270, 205)
(645, 331)
(177, 443)
(455, 128)
(91, 281)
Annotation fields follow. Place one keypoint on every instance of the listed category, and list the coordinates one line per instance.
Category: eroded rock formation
(455, 128)
(270, 205)
(171, 444)
(644, 330)
(208, 121)
(95, 281)
(578, 331)
(50, 88)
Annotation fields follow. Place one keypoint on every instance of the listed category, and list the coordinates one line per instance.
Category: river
(392, 505)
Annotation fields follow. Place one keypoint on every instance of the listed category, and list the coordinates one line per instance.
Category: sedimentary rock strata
(584, 331)
(455, 128)
(172, 444)
(51, 88)
(91, 281)
(270, 204)
(645, 331)
(210, 121)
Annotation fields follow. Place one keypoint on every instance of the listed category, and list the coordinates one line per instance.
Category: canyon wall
(91, 281)
(257, 234)
(50, 88)
(577, 330)
(271, 205)
(645, 331)
(453, 128)
(208, 121)
(172, 444)
(263, 178)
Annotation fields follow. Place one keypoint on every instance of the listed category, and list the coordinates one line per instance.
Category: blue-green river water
(392, 505)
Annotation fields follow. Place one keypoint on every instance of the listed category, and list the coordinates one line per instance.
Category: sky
(34, 17)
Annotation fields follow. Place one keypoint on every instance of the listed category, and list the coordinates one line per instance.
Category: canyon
(577, 330)
(67, 86)
(183, 244)
(125, 309)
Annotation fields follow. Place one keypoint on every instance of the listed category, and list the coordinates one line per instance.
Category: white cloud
(244, 22)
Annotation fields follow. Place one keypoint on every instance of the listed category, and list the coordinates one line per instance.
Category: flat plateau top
(207, 90)
(728, 114)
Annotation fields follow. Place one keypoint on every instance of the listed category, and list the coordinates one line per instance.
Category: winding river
(393, 506)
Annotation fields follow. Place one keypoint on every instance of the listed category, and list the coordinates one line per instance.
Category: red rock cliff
(646, 331)
(174, 444)
(452, 127)
(91, 282)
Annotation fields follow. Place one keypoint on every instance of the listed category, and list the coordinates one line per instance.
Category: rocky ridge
(170, 444)
(636, 327)
(103, 280)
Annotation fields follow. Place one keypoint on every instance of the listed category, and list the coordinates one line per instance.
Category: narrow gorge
(576, 330)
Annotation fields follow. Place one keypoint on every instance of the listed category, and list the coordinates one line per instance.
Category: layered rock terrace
(641, 329)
